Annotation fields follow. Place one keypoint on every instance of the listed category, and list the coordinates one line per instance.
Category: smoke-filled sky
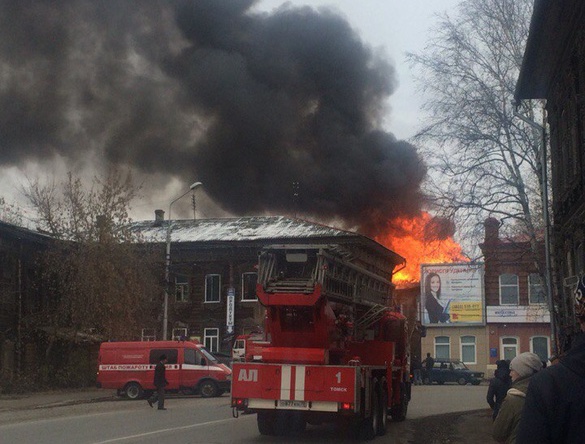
(259, 104)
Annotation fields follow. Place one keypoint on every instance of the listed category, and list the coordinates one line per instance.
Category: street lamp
(547, 228)
(168, 261)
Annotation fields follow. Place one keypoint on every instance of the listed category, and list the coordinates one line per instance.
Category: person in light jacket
(522, 368)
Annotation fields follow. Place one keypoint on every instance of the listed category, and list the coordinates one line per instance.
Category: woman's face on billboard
(435, 284)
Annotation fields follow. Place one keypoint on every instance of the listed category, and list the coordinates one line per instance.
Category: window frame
(548, 352)
(532, 286)
(207, 300)
(442, 344)
(463, 345)
(502, 346)
(244, 292)
(213, 345)
(501, 286)
(183, 288)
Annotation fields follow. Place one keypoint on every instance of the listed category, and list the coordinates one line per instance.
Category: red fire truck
(336, 350)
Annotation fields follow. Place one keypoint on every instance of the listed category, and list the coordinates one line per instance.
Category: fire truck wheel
(133, 390)
(208, 389)
(368, 427)
(382, 410)
(399, 412)
(266, 423)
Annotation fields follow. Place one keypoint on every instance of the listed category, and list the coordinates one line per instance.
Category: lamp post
(168, 262)
(547, 228)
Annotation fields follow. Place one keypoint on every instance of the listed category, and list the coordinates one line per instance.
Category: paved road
(197, 420)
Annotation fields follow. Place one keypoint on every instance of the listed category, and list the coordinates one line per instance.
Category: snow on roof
(237, 229)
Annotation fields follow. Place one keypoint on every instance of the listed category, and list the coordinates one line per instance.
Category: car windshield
(458, 365)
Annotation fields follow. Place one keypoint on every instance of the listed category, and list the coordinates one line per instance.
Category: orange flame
(408, 239)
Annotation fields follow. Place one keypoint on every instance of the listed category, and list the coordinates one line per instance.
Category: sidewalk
(55, 398)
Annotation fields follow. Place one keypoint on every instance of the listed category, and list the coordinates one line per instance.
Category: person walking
(522, 368)
(499, 386)
(554, 407)
(160, 382)
(416, 366)
(428, 363)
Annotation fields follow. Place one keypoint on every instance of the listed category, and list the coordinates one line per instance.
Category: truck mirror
(203, 361)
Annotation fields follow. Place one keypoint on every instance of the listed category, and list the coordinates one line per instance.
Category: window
(181, 289)
(508, 289)
(468, 349)
(211, 339)
(509, 348)
(193, 357)
(249, 286)
(536, 293)
(442, 347)
(212, 287)
(539, 345)
(156, 353)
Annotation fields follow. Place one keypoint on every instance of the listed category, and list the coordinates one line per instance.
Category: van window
(156, 353)
(190, 356)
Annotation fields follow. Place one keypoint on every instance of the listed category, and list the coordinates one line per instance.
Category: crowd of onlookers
(535, 403)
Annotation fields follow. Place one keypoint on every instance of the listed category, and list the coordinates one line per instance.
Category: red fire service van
(129, 368)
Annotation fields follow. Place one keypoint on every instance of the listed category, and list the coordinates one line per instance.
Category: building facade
(212, 270)
(553, 69)
(20, 297)
(452, 311)
(517, 315)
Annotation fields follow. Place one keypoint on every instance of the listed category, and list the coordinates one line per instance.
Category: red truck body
(336, 351)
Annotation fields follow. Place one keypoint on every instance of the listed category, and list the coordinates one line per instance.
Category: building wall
(553, 69)
(566, 117)
(454, 334)
(523, 332)
(523, 321)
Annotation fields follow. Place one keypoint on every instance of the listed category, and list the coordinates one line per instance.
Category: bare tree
(485, 161)
(10, 212)
(97, 275)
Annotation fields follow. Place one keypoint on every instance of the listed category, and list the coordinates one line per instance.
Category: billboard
(452, 294)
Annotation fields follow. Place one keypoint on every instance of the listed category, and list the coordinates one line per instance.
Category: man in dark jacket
(160, 382)
(416, 368)
(499, 386)
(428, 363)
(554, 407)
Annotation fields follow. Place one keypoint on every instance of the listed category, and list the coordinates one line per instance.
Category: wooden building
(553, 68)
(19, 296)
(213, 269)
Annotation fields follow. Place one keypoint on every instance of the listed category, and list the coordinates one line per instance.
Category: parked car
(452, 370)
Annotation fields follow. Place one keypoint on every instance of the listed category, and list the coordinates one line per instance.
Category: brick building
(517, 315)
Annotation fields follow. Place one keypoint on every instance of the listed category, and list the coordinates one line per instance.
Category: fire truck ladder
(370, 317)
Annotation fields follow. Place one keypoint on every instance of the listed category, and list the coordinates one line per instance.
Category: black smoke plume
(275, 113)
